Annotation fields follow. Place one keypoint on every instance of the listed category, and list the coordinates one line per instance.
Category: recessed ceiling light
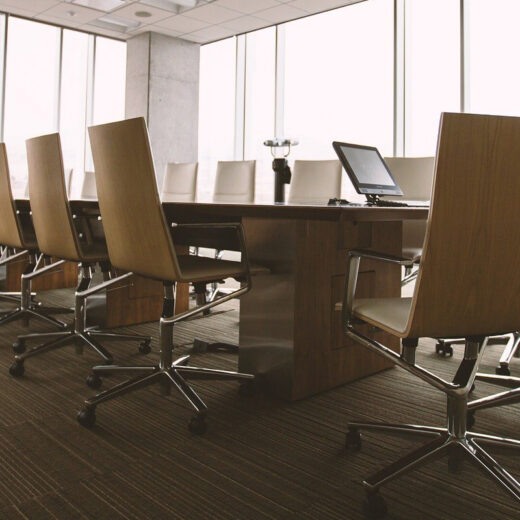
(174, 6)
(102, 5)
(115, 23)
(143, 14)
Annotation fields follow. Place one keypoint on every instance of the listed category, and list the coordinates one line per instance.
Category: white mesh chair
(315, 182)
(415, 177)
(88, 186)
(235, 182)
(180, 182)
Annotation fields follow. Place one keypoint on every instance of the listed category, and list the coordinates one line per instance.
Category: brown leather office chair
(57, 237)
(459, 291)
(18, 238)
(139, 240)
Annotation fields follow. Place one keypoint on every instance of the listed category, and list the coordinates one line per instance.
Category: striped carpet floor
(260, 459)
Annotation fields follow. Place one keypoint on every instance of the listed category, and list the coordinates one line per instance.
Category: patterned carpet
(259, 459)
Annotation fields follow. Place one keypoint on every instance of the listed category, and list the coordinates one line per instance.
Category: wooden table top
(188, 211)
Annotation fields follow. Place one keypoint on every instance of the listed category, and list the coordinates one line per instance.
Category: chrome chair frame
(28, 309)
(512, 349)
(79, 333)
(168, 372)
(454, 440)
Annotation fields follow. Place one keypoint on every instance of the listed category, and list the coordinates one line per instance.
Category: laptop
(371, 176)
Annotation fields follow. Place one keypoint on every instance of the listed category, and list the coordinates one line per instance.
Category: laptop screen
(366, 169)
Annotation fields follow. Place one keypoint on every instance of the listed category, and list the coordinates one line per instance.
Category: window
(259, 107)
(31, 90)
(73, 102)
(217, 111)
(109, 81)
(493, 77)
(339, 79)
(432, 65)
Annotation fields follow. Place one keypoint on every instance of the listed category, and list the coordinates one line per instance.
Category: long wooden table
(290, 334)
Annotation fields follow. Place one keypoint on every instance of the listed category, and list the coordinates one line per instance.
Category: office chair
(135, 227)
(19, 241)
(180, 182)
(234, 182)
(415, 177)
(315, 182)
(88, 186)
(69, 174)
(57, 237)
(458, 293)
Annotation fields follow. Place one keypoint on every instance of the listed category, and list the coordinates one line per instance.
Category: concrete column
(162, 85)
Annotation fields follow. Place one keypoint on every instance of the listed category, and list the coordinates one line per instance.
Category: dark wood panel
(63, 276)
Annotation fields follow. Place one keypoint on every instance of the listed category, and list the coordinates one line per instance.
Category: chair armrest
(353, 258)
(216, 226)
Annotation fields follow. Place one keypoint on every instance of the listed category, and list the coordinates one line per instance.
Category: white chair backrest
(315, 182)
(88, 186)
(414, 175)
(235, 181)
(180, 182)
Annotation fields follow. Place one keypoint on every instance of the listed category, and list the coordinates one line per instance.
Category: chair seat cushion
(94, 252)
(390, 314)
(412, 252)
(204, 269)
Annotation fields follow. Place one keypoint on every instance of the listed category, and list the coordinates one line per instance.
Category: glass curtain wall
(432, 70)
(492, 42)
(49, 87)
(216, 111)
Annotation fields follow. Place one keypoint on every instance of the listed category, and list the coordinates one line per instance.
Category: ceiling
(200, 21)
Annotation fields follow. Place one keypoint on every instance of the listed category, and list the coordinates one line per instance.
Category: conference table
(290, 332)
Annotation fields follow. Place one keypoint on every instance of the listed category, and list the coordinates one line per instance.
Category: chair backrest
(315, 182)
(468, 282)
(235, 181)
(88, 186)
(10, 234)
(68, 183)
(180, 182)
(137, 235)
(50, 208)
(414, 175)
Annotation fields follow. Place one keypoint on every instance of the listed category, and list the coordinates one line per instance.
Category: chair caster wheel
(19, 347)
(353, 440)
(502, 370)
(197, 425)
(87, 417)
(144, 347)
(17, 369)
(470, 420)
(374, 506)
(248, 389)
(444, 350)
(94, 381)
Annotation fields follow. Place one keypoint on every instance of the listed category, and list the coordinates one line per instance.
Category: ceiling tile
(282, 13)
(248, 6)
(16, 10)
(211, 33)
(182, 23)
(245, 23)
(57, 21)
(315, 6)
(212, 13)
(160, 30)
(34, 6)
(129, 13)
(73, 13)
